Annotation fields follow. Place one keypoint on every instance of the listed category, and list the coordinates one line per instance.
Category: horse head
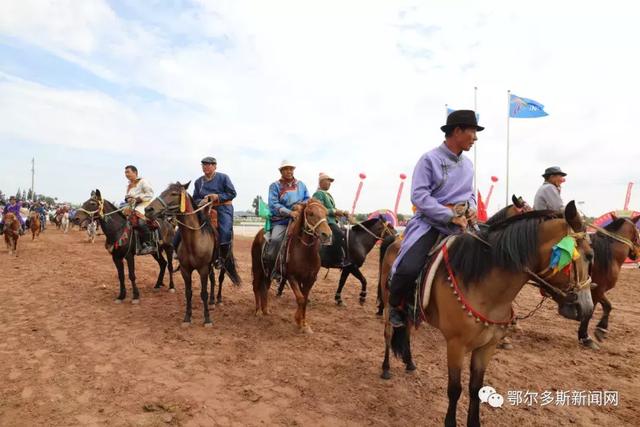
(571, 283)
(520, 204)
(91, 209)
(313, 221)
(171, 200)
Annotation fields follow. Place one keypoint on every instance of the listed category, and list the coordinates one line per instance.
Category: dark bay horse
(11, 232)
(392, 244)
(359, 241)
(196, 252)
(475, 285)
(303, 238)
(611, 246)
(122, 244)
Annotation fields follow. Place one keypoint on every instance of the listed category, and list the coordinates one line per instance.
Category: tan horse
(474, 288)
(34, 224)
(303, 240)
(11, 233)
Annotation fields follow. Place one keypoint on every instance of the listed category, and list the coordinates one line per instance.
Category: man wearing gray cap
(548, 195)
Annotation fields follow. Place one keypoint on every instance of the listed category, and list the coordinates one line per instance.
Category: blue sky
(339, 87)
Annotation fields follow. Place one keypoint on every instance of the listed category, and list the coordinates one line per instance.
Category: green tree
(18, 193)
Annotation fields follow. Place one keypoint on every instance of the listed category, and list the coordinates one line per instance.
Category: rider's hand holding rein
(460, 221)
(294, 214)
(472, 216)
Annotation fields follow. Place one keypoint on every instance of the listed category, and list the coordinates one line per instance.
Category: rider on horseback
(217, 188)
(442, 179)
(139, 195)
(337, 248)
(284, 194)
(14, 207)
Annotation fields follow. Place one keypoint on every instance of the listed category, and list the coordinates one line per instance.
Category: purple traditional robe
(440, 178)
(15, 208)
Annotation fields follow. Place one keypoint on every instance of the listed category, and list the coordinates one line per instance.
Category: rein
(172, 210)
(615, 236)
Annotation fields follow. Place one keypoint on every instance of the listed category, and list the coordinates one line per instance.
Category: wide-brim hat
(286, 164)
(553, 170)
(323, 176)
(466, 118)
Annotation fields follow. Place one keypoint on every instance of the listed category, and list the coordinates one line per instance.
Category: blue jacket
(283, 197)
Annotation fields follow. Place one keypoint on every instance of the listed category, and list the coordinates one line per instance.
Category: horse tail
(400, 341)
(230, 267)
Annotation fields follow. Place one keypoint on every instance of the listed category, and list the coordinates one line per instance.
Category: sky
(341, 87)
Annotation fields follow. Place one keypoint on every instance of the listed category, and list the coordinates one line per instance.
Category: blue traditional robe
(440, 178)
(221, 185)
(283, 196)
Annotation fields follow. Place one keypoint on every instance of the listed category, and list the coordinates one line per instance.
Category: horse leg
(306, 290)
(220, 280)
(602, 328)
(406, 356)
(163, 266)
(300, 299)
(479, 361)
(212, 279)
(204, 294)
(583, 335)
(281, 288)
(120, 267)
(455, 358)
(363, 290)
(264, 295)
(379, 299)
(386, 373)
(169, 253)
(186, 277)
(343, 279)
(131, 266)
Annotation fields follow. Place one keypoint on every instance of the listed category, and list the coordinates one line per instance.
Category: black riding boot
(218, 260)
(147, 245)
(400, 290)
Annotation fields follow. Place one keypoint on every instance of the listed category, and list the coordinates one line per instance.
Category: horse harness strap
(615, 236)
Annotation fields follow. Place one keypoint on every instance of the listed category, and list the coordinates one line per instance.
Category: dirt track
(70, 356)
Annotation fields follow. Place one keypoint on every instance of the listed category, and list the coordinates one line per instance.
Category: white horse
(64, 223)
(92, 231)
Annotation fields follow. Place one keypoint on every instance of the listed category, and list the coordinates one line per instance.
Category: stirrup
(396, 317)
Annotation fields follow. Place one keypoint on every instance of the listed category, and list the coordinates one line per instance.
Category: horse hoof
(258, 313)
(118, 301)
(186, 324)
(410, 367)
(172, 290)
(601, 334)
(340, 303)
(589, 343)
(307, 330)
(157, 288)
(505, 346)
(219, 302)
(386, 375)
(208, 324)
(362, 301)
(135, 301)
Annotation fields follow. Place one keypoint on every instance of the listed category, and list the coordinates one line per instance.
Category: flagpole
(446, 112)
(475, 154)
(508, 116)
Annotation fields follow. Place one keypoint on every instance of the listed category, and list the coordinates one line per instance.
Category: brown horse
(11, 232)
(392, 244)
(34, 224)
(474, 287)
(304, 236)
(196, 252)
(611, 246)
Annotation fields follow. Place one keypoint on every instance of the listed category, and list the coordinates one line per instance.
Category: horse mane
(366, 224)
(514, 243)
(603, 255)
(498, 216)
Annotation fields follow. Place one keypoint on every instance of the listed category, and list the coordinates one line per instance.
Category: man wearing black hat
(442, 192)
(548, 195)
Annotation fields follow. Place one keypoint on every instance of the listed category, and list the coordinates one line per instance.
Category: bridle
(540, 279)
(100, 210)
(386, 230)
(307, 227)
(178, 210)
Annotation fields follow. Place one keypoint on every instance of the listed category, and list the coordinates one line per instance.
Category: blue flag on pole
(524, 108)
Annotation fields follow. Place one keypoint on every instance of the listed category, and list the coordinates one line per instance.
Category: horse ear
(613, 216)
(514, 200)
(572, 216)
(98, 195)
(186, 186)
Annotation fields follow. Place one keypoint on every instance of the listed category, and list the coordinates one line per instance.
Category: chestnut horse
(11, 232)
(484, 274)
(34, 224)
(611, 246)
(303, 239)
(196, 252)
(121, 243)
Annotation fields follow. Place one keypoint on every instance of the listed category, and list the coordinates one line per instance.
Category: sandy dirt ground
(70, 356)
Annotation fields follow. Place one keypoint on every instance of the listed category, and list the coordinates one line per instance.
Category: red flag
(482, 210)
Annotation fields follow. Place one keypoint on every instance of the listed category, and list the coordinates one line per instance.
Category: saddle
(415, 307)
